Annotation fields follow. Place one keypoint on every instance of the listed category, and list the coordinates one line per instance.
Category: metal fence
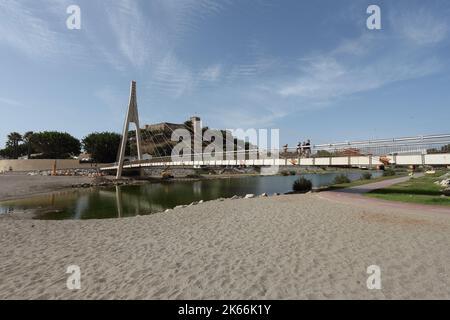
(406, 145)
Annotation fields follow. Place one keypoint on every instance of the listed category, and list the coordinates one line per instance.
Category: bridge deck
(361, 161)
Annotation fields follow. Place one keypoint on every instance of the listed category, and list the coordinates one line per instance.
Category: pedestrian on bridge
(308, 148)
(299, 149)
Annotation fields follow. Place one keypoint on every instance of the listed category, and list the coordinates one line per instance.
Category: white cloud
(109, 98)
(135, 39)
(172, 76)
(116, 104)
(184, 16)
(149, 43)
(10, 102)
(211, 73)
(247, 118)
(144, 37)
(325, 79)
(421, 27)
(146, 32)
(258, 63)
(37, 29)
(22, 30)
(370, 61)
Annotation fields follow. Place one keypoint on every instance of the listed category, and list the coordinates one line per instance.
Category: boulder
(446, 176)
(445, 183)
(446, 192)
(249, 196)
(264, 195)
(180, 207)
(235, 197)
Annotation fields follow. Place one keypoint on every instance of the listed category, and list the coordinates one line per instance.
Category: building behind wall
(157, 138)
(163, 126)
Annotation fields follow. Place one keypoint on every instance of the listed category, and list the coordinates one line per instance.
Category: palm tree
(14, 139)
(27, 139)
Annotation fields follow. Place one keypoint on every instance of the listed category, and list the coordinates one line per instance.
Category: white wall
(42, 164)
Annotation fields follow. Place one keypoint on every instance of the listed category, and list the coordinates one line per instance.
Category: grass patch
(366, 176)
(288, 173)
(363, 182)
(341, 179)
(389, 172)
(417, 190)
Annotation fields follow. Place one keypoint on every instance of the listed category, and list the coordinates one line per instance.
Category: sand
(21, 185)
(286, 247)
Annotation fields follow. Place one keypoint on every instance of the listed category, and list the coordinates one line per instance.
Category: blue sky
(310, 68)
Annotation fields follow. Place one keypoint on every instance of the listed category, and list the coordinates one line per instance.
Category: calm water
(156, 197)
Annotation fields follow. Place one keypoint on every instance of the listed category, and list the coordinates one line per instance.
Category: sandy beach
(286, 247)
(20, 185)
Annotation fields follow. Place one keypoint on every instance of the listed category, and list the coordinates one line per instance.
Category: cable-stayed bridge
(155, 148)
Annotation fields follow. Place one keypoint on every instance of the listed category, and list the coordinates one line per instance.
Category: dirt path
(378, 185)
(355, 196)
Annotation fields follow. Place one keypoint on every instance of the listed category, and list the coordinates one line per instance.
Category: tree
(443, 149)
(324, 154)
(55, 145)
(103, 146)
(27, 139)
(14, 138)
(188, 125)
(14, 153)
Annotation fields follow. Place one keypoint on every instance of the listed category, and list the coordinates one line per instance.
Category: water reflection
(82, 205)
(119, 201)
(125, 201)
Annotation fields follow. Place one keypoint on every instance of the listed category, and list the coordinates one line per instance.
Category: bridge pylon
(132, 117)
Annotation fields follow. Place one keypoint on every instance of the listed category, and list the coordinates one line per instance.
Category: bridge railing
(381, 147)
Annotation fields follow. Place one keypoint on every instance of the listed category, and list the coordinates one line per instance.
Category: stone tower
(197, 138)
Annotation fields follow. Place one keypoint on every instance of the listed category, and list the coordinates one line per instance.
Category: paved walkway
(378, 185)
(355, 196)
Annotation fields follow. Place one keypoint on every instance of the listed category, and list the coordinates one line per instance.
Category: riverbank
(19, 186)
(14, 186)
(285, 247)
(421, 190)
(363, 182)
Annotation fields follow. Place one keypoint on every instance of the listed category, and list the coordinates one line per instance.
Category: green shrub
(193, 176)
(284, 173)
(389, 172)
(302, 185)
(340, 179)
(166, 175)
(366, 176)
(292, 173)
(446, 192)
